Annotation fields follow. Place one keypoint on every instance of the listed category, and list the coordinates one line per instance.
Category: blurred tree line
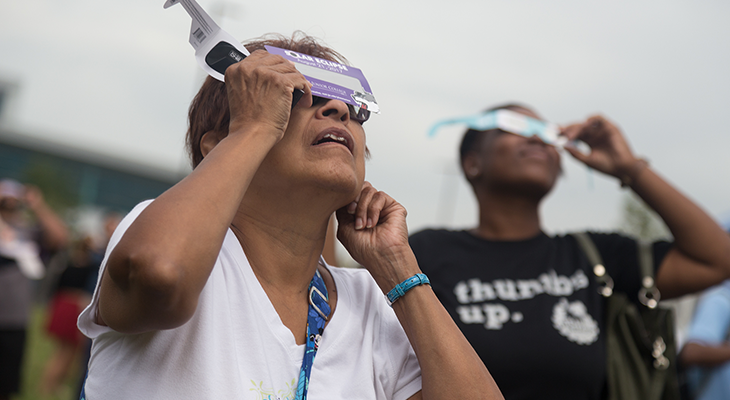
(641, 222)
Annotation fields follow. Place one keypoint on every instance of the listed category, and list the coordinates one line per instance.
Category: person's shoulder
(429, 234)
(436, 231)
(594, 234)
(600, 239)
(429, 242)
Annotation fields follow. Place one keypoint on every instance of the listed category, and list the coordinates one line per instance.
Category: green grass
(38, 350)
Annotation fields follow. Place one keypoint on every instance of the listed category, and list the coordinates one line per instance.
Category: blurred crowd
(44, 262)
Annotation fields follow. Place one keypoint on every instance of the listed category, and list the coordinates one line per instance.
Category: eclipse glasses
(216, 50)
(508, 121)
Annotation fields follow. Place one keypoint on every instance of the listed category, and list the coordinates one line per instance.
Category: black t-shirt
(80, 276)
(531, 308)
(76, 277)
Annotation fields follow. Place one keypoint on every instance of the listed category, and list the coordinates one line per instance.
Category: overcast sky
(116, 77)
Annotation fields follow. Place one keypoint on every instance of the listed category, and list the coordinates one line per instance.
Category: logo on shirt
(573, 321)
(485, 303)
(263, 393)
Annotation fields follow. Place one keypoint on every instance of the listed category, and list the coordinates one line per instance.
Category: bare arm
(53, 230)
(373, 230)
(156, 272)
(708, 336)
(700, 257)
(702, 355)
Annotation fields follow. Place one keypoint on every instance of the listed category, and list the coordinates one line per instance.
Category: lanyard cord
(319, 311)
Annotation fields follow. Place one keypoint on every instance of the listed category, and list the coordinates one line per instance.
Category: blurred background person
(110, 222)
(706, 355)
(528, 302)
(70, 297)
(29, 232)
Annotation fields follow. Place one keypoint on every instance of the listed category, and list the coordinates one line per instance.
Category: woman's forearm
(704, 356)
(450, 367)
(54, 230)
(704, 248)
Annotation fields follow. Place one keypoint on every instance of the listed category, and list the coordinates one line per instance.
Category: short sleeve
(621, 259)
(87, 321)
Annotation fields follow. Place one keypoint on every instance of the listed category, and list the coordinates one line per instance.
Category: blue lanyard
(319, 310)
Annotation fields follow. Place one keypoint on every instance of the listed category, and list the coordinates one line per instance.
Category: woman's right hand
(260, 91)
(609, 151)
(373, 230)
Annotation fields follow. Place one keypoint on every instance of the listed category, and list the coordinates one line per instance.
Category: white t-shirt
(236, 347)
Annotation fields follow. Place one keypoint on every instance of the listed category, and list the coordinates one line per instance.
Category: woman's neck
(283, 252)
(507, 217)
(283, 235)
(283, 249)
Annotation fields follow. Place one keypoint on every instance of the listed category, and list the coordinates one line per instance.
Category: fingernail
(370, 223)
(358, 223)
(351, 208)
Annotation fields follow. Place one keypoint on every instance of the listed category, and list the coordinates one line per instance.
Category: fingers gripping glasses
(216, 50)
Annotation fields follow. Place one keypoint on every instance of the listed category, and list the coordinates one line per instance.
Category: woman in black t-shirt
(526, 301)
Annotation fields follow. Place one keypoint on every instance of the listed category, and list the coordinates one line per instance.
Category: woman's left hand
(373, 229)
(610, 152)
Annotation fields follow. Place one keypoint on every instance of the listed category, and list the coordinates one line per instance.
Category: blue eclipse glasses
(508, 121)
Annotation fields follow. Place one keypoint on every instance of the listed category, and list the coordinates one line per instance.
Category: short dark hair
(209, 109)
(472, 138)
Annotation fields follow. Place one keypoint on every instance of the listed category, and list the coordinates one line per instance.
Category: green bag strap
(605, 282)
(586, 243)
(649, 294)
(646, 258)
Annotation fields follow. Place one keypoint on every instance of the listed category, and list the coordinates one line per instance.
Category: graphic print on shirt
(573, 321)
(570, 319)
(269, 394)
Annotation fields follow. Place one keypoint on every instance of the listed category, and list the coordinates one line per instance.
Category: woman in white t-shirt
(212, 290)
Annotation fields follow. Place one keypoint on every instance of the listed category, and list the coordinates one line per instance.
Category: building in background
(70, 177)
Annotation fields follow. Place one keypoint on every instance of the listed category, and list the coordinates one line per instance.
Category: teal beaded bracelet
(400, 289)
